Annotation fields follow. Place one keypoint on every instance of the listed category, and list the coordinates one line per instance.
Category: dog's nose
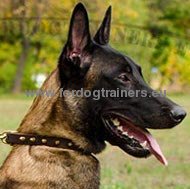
(177, 114)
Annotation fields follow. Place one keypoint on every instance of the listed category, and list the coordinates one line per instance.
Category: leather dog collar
(14, 138)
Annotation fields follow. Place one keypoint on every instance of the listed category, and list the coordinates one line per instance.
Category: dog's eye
(123, 77)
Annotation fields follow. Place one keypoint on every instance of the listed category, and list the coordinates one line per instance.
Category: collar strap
(14, 138)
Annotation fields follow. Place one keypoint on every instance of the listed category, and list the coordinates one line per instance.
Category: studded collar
(15, 138)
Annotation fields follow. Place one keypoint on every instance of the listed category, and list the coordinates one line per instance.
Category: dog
(92, 64)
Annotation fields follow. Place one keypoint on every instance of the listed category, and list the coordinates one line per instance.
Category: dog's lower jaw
(42, 167)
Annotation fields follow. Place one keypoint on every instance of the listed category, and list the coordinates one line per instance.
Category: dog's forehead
(106, 58)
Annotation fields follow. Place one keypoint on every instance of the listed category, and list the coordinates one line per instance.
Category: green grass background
(118, 170)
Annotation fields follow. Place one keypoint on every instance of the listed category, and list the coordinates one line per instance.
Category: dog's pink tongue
(155, 149)
(142, 136)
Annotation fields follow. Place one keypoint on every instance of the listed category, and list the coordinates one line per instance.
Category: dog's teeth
(131, 137)
(143, 144)
(120, 128)
(116, 122)
(125, 133)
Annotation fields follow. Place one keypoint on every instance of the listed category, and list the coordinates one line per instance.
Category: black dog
(87, 123)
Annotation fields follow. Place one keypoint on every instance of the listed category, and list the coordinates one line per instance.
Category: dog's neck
(48, 117)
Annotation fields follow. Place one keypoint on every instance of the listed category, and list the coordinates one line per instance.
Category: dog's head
(93, 65)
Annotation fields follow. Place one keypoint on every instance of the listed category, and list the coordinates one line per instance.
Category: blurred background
(155, 33)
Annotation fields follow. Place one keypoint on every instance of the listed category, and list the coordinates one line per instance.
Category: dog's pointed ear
(79, 34)
(103, 34)
(75, 49)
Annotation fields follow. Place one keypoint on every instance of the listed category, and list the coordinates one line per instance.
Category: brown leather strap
(39, 140)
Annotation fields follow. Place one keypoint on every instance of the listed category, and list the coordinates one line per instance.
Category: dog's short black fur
(91, 64)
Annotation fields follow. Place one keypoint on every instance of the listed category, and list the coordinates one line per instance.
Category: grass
(118, 170)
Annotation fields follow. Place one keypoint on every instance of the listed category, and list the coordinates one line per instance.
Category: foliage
(154, 33)
(170, 27)
(9, 55)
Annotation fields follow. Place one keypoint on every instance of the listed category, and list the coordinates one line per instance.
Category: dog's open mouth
(132, 139)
